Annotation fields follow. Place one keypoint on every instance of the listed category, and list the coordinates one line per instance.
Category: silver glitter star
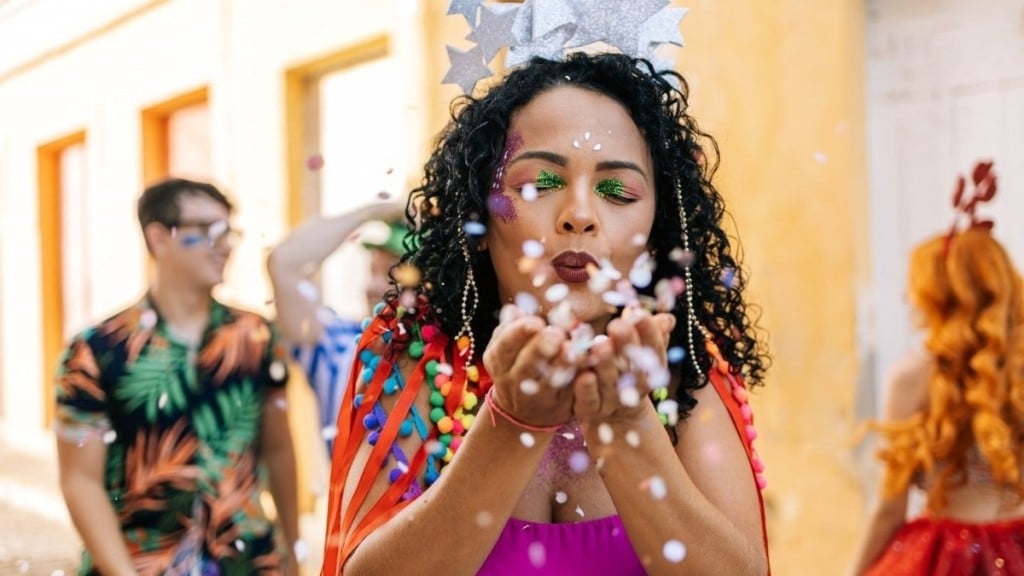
(549, 15)
(663, 28)
(610, 22)
(495, 29)
(467, 68)
(467, 8)
(550, 47)
(522, 26)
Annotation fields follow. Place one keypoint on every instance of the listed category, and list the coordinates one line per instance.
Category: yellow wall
(781, 88)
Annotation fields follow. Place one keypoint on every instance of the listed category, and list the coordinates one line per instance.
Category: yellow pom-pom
(469, 400)
(473, 373)
(448, 455)
(467, 420)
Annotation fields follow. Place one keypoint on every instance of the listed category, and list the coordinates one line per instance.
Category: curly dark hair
(458, 179)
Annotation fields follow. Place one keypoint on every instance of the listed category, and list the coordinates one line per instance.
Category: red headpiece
(984, 179)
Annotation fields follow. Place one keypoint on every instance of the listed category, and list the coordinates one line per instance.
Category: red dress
(944, 547)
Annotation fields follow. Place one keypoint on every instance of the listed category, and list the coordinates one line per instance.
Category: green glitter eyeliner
(612, 188)
(547, 180)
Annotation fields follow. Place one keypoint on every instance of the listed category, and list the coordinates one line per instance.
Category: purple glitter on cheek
(499, 204)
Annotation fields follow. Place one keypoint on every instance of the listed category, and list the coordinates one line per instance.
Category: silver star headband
(547, 28)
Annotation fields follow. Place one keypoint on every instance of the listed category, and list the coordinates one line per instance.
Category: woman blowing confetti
(556, 383)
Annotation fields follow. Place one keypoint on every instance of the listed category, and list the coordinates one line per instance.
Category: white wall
(945, 88)
(67, 66)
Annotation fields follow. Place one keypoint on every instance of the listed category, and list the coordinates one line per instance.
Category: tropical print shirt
(182, 426)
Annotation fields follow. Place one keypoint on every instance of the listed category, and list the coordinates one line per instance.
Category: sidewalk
(36, 536)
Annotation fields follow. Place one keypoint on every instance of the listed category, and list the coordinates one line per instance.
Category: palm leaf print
(236, 346)
(233, 496)
(80, 372)
(156, 462)
(155, 383)
(127, 327)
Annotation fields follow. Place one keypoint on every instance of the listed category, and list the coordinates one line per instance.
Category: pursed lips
(571, 266)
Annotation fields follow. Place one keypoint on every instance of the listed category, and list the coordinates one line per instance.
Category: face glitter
(499, 204)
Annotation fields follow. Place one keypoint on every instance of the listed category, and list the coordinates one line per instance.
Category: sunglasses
(196, 234)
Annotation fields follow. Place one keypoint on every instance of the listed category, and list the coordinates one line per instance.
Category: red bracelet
(493, 407)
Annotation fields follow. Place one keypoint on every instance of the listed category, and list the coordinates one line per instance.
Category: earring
(467, 346)
(691, 314)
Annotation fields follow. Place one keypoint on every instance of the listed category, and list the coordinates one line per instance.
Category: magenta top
(597, 546)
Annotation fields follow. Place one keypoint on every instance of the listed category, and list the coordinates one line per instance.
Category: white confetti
(329, 432)
(277, 371)
(639, 239)
(240, 545)
(633, 438)
(576, 144)
(580, 511)
(586, 136)
(561, 497)
(820, 157)
(148, 319)
(674, 551)
(657, 487)
(597, 147)
(538, 555)
(605, 433)
(529, 192)
(556, 293)
(529, 387)
(670, 408)
(162, 401)
(308, 290)
(533, 249)
(526, 303)
(109, 436)
(629, 397)
(527, 439)
(579, 461)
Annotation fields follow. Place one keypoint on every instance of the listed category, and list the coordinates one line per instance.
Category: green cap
(397, 231)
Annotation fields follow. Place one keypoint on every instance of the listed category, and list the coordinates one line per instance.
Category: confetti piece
(674, 551)
(579, 461)
(484, 518)
(315, 162)
(633, 438)
(656, 485)
(728, 277)
(526, 303)
(529, 387)
(529, 192)
(533, 249)
(605, 433)
(527, 439)
(474, 228)
(109, 437)
(676, 354)
(537, 554)
(556, 293)
(277, 371)
(561, 497)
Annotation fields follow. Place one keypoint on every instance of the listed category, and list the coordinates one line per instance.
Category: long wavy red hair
(969, 297)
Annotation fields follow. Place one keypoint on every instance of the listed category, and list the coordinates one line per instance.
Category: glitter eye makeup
(546, 180)
(613, 189)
